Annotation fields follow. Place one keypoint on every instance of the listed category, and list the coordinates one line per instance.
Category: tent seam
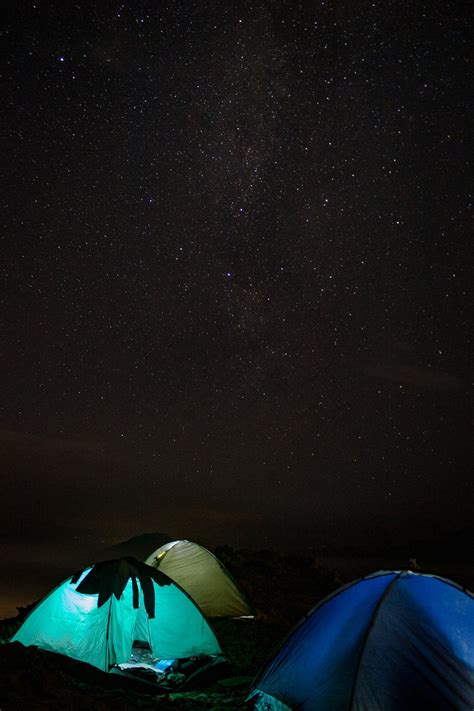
(107, 637)
(368, 633)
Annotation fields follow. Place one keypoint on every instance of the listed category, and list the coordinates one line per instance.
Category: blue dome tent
(392, 641)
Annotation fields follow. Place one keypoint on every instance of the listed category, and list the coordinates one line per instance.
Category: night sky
(235, 271)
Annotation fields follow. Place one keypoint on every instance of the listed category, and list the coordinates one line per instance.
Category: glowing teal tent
(393, 641)
(96, 615)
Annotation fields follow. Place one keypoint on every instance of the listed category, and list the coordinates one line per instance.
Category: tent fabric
(203, 577)
(390, 641)
(73, 623)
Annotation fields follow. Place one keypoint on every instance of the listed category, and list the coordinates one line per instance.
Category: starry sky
(235, 270)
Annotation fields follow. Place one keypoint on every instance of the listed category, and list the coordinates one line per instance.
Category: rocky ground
(281, 588)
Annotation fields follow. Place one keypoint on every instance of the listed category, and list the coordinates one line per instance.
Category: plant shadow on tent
(111, 577)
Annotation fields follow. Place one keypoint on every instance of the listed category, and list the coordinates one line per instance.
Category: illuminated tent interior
(120, 614)
(390, 641)
(203, 576)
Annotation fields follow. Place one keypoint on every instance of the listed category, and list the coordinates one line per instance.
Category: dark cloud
(416, 377)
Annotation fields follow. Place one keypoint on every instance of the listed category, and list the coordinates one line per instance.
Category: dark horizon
(34, 566)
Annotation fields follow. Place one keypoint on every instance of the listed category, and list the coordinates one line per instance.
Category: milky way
(236, 265)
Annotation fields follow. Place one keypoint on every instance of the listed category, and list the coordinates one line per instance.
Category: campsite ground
(283, 588)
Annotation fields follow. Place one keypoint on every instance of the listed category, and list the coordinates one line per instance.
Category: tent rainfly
(390, 641)
(96, 615)
(203, 577)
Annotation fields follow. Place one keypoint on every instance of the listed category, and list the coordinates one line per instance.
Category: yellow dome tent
(203, 577)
